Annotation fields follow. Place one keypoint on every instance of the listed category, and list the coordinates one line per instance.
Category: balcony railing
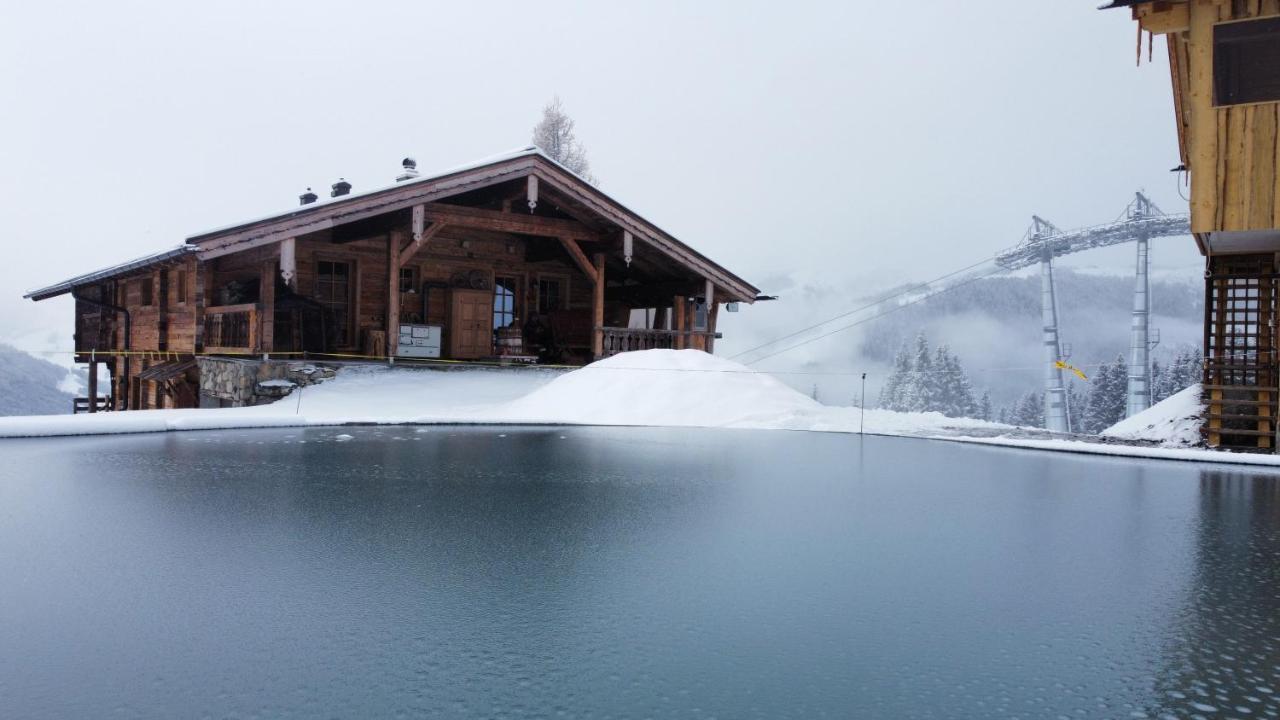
(231, 328)
(620, 340)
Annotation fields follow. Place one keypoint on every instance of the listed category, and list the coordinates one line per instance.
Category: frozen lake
(630, 573)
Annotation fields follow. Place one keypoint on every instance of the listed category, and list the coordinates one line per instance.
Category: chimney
(342, 187)
(307, 197)
(410, 170)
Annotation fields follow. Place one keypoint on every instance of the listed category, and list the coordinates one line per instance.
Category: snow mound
(662, 387)
(1172, 422)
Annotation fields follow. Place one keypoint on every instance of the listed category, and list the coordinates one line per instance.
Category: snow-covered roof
(114, 271)
(324, 202)
(334, 210)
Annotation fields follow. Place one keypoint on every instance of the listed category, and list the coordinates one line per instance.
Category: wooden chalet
(1224, 57)
(515, 259)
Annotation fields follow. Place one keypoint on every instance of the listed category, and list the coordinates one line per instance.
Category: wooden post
(677, 318)
(203, 287)
(712, 313)
(597, 308)
(162, 309)
(267, 318)
(394, 240)
(1203, 122)
(93, 386)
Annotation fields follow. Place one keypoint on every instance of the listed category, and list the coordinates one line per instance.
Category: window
(408, 279)
(333, 291)
(504, 301)
(181, 296)
(146, 292)
(1245, 57)
(550, 295)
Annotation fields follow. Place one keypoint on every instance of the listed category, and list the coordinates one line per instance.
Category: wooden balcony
(231, 329)
(620, 340)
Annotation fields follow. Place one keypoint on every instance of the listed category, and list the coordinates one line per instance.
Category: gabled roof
(344, 209)
(518, 164)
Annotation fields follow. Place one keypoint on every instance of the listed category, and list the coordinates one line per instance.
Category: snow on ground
(1172, 422)
(655, 387)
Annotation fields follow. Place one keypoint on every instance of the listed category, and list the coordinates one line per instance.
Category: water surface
(627, 573)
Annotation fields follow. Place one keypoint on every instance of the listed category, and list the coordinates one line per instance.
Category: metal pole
(1055, 401)
(1138, 397)
(862, 422)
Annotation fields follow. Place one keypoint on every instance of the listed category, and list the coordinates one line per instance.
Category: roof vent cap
(342, 187)
(307, 197)
(409, 170)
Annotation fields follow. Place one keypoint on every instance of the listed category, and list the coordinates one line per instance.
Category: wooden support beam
(204, 285)
(267, 318)
(93, 386)
(579, 257)
(1161, 18)
(420, 239)
(495, 220)
(162, 309)
(677, 317)
(597, 308)
(394, 240)
(1203, 129)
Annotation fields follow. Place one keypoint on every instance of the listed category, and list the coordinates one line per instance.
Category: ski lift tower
(1138, 391)
(1057, 417)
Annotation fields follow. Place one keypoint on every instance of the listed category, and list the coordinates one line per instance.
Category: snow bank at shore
(681, 388)
(685, 388)
(1172, 422)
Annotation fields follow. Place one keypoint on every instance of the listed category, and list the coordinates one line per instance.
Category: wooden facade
(516, 260)
(1224, 58)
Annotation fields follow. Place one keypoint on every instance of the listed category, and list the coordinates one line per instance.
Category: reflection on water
(1223, 656)
(579, 572)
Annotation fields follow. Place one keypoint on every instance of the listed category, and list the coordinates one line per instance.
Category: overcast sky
(851, 143)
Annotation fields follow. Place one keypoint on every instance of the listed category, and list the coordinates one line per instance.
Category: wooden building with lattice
(511, 260)
(1224, 57)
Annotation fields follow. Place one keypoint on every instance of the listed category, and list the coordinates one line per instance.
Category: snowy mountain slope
(31, 386)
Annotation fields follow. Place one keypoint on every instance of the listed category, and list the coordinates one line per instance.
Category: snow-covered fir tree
(984, 406)
(1180, 373)
(891, 392)
(554, 134)
(1028, 412)
(925, 381)
(1107, 389)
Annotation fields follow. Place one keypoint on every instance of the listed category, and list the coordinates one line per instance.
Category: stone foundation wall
(238, 382)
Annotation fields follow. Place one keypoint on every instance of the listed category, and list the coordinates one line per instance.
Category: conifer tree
(891, 392)
(916, 398)
(984, 406)
(1107, 391)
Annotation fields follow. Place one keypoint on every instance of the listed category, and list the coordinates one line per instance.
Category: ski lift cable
(894, 309)
(868, 306)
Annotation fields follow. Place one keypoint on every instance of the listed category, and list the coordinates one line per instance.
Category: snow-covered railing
(231, 328)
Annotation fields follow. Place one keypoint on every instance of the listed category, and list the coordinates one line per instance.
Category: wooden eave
(431, 191)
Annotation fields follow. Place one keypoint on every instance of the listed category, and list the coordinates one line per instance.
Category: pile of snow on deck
(1172, 422)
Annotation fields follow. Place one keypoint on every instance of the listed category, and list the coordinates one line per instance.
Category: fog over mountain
(993, 325)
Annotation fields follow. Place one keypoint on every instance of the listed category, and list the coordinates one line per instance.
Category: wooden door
(470, 324)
